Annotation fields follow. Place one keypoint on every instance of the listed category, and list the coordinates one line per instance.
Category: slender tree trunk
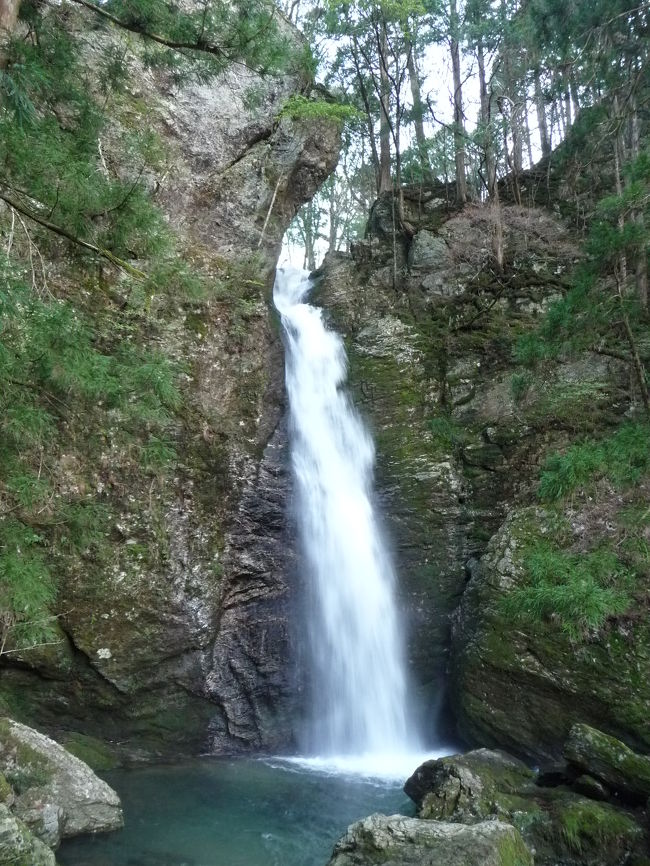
(641, 259)
(418, 111)
(517, 143)
(385, 181)
(619, 159)
(334, 221)
(575, 97)
(636, 359)
(566, 75)
(490, 161)
(369, 115)
(544, 140)
(529, 143)
(459, 125)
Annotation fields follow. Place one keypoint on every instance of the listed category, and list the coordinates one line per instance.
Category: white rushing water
(360, 720)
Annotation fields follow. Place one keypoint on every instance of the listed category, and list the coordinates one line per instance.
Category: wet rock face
(251, 675)
(463, 430)
(398, 841)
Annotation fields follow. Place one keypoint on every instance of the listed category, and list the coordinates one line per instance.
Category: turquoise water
(215, 812)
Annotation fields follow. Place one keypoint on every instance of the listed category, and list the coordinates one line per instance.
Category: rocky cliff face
(176, 635)
(463, 431)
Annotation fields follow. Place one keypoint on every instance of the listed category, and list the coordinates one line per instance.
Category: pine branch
(199, 44)
(64, 233)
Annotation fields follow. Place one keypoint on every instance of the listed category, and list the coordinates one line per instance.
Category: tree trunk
(575, 98)
(334, 220)
(641, 259)
(490, 161)
(636, 359)
(369, 114)
(529, 144)
(418, 111)
(459, 126)
(544, 140)
(385, 182)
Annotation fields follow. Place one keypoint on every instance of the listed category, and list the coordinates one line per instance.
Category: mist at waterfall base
(361, 717)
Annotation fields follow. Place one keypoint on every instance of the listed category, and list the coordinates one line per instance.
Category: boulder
(609, 760)
(468, 787)
(57, 795)
(398, 841)
(428, 252)
(559, 825)
(17, 845)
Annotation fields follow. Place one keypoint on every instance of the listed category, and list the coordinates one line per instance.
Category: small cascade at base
(360, 717)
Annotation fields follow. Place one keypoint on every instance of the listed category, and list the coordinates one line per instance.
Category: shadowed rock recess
(177, 638)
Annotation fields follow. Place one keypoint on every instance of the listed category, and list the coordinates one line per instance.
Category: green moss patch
(91, 751)
(591, 828)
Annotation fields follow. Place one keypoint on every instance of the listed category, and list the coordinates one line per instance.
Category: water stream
(360, 704)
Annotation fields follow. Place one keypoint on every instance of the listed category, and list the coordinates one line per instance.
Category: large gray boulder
(57, 795)
(17, 845)
(398, 841)
(609, 760)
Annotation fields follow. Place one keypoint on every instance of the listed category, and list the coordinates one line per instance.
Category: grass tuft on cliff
(622, 459)
(577, 590)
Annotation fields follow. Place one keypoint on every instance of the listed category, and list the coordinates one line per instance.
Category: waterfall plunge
(360, 719)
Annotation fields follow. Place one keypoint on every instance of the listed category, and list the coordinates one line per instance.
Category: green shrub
(519, 384)
(299, 107)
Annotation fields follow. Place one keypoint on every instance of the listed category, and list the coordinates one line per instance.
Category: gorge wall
(463, 430)
(173, 626)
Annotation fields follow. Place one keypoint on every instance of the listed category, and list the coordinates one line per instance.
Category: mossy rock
(609, 760)
(521, 682)
(6, 791)
(479, 785)
(595, 834)
(91, 751)
(24, 767)
(17, 845)
(381, 839)
(559, 825)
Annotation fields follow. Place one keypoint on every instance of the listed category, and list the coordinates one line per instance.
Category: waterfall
(360, 713)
